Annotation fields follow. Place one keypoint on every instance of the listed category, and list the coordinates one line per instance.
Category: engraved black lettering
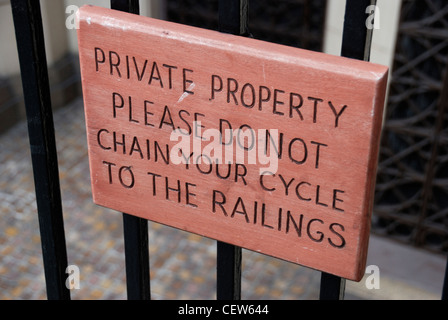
(146, 106)
(337, 114)
(319, 233)
(305, 151)
(229, 169)
(220, 202)
(232, 91)
(136, 147)
(341, 238)
(318, 144)
(263, 98)
(336, 199)
(98, 138)
(198, 125)
(148, 150)
(289, 218)
(121, 143)
(215, 78)
(154, 176)
(117, 104)
(255, 212)
(251, 141)
(114, 65)
(279, 220)
(240, 209)
(316, 102)
(159, 151)
(173, 189)
(187, 81)
(99, 52)
(140, 74)
(317, 197)
(278, 145)
(241, 174)
(128, 73)
(222, 132)
(130, 111)
(277, 102)
(170, 68)
(131, 178)
(248, 96)
(186, 159)
(188, 194)
(155, 75)
(295, 106)
(286, 184)
(184, 121)
(263, 217)
(209, 166)
(109, 169)
(262, 176)
(299, 195)
(167, 119)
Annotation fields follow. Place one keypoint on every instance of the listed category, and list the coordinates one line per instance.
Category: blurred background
(409, 240)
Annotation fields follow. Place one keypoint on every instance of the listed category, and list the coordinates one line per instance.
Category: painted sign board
(263, 146)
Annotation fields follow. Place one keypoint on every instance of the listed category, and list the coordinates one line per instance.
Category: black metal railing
(233, 18)
(36, 91)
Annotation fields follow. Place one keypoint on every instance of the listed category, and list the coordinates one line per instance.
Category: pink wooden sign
(263, 146)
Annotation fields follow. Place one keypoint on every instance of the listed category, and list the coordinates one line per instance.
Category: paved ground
(182, 265)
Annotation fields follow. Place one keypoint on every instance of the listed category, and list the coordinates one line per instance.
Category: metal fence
(233, 18)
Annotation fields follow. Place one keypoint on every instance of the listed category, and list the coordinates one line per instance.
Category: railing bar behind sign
(137, 257)
(135, 229)
(356, 42)
(331, 287)
(445, 284)
(228, 271)
(356, 38)
(233, 18)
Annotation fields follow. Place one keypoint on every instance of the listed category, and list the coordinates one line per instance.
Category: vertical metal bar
(357, 38)
(356, 42)
(442, 109)
(131, 6)
(135, 229)
(137, 257)
(331, 287)
(36, 90)
(228, 285)
(445, 283)
(233, 18)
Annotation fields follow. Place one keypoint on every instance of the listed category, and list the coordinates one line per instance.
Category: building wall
(9, 62)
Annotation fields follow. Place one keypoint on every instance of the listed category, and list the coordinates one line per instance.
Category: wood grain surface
(267, 147)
